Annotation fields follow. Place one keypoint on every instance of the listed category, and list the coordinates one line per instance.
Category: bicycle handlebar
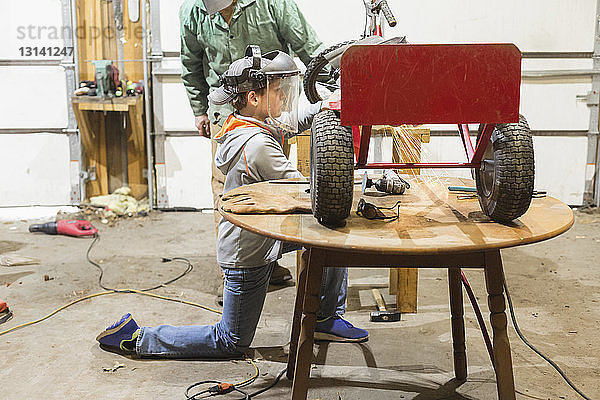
(388, 13)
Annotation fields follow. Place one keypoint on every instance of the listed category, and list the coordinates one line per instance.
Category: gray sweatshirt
(248, 153)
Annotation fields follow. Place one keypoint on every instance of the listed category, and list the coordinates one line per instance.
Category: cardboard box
(303, 153)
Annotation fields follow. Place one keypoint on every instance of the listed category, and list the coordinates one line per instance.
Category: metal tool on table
(5, 313)
(101, 75)
(537, 194)
(463, 192)
(77, 228)
(463, 189)
(383, 314)
(390, 183)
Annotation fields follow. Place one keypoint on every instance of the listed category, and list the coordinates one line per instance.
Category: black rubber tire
(331, 169)
(506, 177)
(314, 68)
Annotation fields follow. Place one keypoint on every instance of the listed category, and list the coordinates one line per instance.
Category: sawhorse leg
(494, 281)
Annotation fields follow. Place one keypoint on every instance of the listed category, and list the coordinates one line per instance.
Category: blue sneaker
(121, 335)
(337, 329)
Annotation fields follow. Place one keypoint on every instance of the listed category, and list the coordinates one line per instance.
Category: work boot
(121, 335)
(337, 329)
(280, 275)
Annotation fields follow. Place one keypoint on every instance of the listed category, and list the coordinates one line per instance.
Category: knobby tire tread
(514, 173)
(332, 160)
(313, 69)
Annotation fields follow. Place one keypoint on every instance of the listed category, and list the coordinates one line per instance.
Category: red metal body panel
(437, 84)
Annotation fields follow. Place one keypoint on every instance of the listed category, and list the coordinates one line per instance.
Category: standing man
(214, 33)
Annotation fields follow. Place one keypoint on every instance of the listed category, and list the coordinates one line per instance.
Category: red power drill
(74, 227)
(5, 313)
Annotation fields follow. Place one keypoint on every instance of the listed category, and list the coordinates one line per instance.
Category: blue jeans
(244, 294)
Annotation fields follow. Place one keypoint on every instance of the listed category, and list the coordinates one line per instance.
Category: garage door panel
(34, 97)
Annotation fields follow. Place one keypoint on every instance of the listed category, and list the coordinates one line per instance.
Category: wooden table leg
(502, 357)
(458, 324)
(310, 306)
(300, 289)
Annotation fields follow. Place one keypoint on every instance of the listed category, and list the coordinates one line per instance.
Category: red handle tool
(73, 227)
(5, 313)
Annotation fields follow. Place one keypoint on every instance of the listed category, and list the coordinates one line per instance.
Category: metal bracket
(89, 175)
(591, 99)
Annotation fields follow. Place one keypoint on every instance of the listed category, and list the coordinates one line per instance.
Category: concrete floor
(555, 286)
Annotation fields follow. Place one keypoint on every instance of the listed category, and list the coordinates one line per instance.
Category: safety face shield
(282, 102)
(214, 6)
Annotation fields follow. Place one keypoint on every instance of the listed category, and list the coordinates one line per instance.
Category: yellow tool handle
(379, 300)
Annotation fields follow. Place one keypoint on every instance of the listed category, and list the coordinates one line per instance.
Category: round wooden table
(434, 229)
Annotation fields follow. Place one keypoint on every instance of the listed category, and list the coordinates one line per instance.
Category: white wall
(34, 97)
(560, 167)
(188, 172)
(33, 23)
(34, 169)
(169, 25)
(533, 25)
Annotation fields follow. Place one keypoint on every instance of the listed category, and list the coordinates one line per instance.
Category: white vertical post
(71, 65)
(147, 105)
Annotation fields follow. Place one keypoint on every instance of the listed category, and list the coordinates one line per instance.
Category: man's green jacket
(209, 44)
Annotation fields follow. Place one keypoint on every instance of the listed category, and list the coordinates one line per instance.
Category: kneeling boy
(264, 92)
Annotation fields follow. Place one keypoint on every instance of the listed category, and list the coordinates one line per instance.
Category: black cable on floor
(539, 353)
(479, 316)
(516, 326)
(189, 269)
(220, 388)
(271, 386)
